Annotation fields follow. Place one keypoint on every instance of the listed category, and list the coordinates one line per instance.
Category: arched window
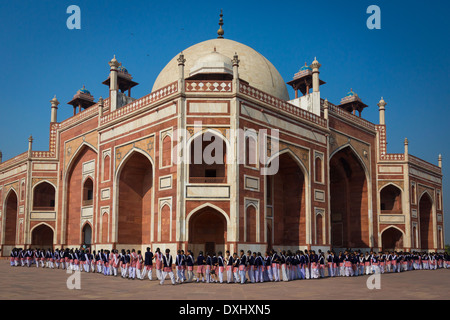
(44, 197)
(105, 219)
(318, 168)
(391, 199)
(251, 224)
(106, 168)
(413, 193)
(166, 151)
(22, 191)
(208, 159)
(319, 229)
(88, 192)
(86, 235)
(165, 223)
(251, 151)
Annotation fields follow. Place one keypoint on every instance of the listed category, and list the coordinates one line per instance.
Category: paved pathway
(33, 283)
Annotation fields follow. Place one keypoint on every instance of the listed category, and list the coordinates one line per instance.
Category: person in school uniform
(432, 261)
(382, 262)
(62, 259)
(190, 266)
(76, 260)
(105, 260)
(330, 262)
(28, 257)
(123, 264)
(201, 267)
(283, 266)
(139, 265)
(259, 268)
(220, 267)
(236, 263)
(268, 275)
(389, 265)
(148, 264)
(19, 255)
(314, 259)
(367, 265)
(355, 263)
(82, 260)
(399, 262)
(440, 260)
(307, 265)
(229, 261)
(242, 267)
(322, 265)
(404, 261)
(133, 264)
(86, 261)
(208, 265)
(113, 263)
(179, 265)
(167, 262)
(302, 265)
(12, 258)
(158, 263)
(42, 258)
(275, 266)
(36, 257)
(251, 266)
(99, 262)
(214, 270)
(393, 259)
(341, 264)
(57, 258)
(291, 265)
(90, 257)
(375, 263)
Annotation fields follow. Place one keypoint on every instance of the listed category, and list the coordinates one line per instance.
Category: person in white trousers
(167, 268)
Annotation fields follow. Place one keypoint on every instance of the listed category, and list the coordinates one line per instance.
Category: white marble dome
(253, 67)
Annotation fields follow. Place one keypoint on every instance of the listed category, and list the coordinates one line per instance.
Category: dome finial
(220, 32)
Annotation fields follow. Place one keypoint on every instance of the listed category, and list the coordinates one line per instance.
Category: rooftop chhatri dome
(213, 62)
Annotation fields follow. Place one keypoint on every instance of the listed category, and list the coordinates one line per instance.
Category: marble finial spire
(220, 32)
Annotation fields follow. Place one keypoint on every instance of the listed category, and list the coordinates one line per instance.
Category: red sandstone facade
(110, 179)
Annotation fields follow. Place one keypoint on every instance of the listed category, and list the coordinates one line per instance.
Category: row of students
(245, 267)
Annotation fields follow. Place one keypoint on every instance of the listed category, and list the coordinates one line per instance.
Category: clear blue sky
(407, 61)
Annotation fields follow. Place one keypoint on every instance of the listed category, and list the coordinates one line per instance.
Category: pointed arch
(10, 211)
(77, 152)
(291, 213)
(42, 236)
(200, 171)
(350, 199)
(355, 153)
(73, 193)
(426, 228)
(207, 228)
(392, 238)
(86, 234)
(205, 205)
(391, 198)
(251, 225)
(133, 203)
(44, 195)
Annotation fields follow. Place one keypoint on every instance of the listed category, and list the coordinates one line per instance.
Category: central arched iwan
(135, 182)
(349, 201)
